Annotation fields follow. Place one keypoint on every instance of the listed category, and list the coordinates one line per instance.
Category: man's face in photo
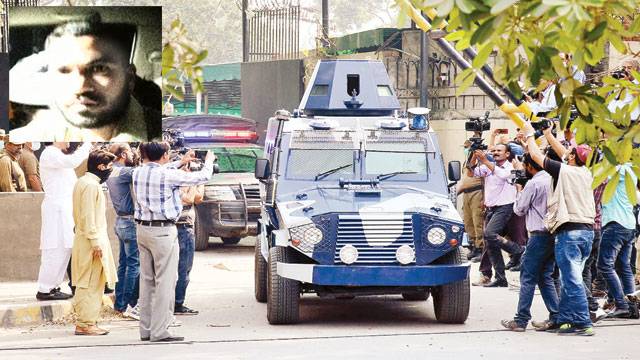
(91, 80)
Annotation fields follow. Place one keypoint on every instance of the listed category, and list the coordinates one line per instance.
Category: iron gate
(274, 31)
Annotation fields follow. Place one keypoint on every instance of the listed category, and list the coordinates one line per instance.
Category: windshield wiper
(392, 174)
(323, 175)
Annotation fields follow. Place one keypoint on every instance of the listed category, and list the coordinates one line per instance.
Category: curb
(40, 312)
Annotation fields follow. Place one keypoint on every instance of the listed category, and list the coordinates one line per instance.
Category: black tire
(416, 295)
(451, 301)
(283, 295)
(231, 240)
(260, 274)
(202, 236)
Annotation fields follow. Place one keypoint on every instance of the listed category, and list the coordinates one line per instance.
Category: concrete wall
(269, 86)
(20, 222)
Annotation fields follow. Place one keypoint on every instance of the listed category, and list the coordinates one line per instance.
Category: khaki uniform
(29, 164)
(89, 275)
(473, 215)
(12, 177)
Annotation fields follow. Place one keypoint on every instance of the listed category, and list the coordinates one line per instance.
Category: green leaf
(635, 26)
(610, 189)
(466, 6)
(596, 33)
(483, 55)
(483, 32)
(602, 173)
(464, 79)
(455, 36)
(608, 154)
(501, 5)
(617, 43)
(174, 92)
(630, 186)
(625, 150)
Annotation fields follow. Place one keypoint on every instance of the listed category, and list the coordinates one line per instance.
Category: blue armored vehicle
(356, 200)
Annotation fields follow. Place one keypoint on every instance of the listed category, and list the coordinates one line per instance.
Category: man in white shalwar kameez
(56, 235)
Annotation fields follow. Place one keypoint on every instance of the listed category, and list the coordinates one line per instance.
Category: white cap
(28, 83)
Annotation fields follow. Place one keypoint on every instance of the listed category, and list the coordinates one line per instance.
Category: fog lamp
(405, 254)
(348, 254)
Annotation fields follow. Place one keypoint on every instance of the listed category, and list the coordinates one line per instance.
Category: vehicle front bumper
(342, 275)
(239, 225)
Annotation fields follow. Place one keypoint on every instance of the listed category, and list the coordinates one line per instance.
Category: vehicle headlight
(220, 193)
(455, 229)
(436, 235)
(313, 235)
(405, 254)
(348, 254)
(305, 237)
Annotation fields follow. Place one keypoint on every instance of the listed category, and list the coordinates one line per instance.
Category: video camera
(519, 177)
(542, 125)
(478, 124)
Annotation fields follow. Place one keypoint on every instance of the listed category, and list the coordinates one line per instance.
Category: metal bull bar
(512, 110)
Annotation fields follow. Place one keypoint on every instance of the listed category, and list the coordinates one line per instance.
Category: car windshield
(323, 164)
(396, 161)
(237, 160)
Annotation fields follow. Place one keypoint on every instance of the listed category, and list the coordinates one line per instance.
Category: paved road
(232, 325)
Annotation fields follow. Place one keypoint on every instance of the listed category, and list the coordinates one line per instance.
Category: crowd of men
(573, 245)
(153, 196)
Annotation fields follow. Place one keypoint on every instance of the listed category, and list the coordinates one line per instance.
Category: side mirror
(262, 169)
(454, 170)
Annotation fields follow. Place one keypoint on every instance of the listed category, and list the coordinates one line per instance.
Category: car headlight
(405, 254)
(305, 237)
(455, 229)
(220, 193)
(312, 235)
(436, 236)
(348, 254)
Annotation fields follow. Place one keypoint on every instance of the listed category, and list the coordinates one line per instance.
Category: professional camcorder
(478, 124)
(519, 177)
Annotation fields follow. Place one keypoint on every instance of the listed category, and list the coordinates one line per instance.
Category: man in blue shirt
(617, 242)
(119, 184)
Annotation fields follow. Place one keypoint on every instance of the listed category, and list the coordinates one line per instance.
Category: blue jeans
(537, 267)
(128, 264)
(572, 249)
(615, 254)
(187, 242)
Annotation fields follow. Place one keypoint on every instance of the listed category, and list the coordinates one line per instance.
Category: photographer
(471, 189)
(500, 195)
(626, 73)
(570, 218)
(538, 261)
(190, 196)
(158, 206)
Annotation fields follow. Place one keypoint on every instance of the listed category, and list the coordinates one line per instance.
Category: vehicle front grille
(252, 192)
(375, 237)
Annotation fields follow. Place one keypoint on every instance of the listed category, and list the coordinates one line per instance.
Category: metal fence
(274, 32)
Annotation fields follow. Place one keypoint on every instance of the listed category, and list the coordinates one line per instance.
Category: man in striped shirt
(156, 185)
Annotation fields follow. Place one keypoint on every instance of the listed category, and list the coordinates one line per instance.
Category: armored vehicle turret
(356, 200)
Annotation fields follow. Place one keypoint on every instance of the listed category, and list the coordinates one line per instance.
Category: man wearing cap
(85, 78)
(570, 218)
(12, 177)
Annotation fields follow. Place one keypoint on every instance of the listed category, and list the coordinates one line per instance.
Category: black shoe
(145, 338)
(169, 339)
(619, 314)
(52, 296)
(516, 268)
(474, 253)
(498, 283)
(183, 310)
(477, 258)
